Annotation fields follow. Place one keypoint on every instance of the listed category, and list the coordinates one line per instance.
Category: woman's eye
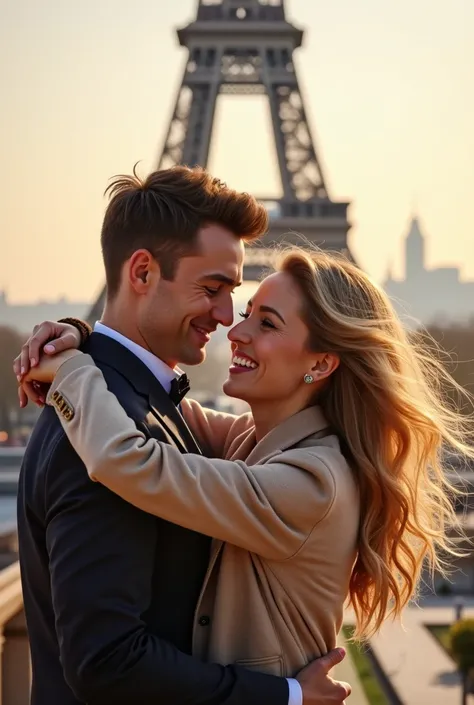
(211, 292)
(265, 322)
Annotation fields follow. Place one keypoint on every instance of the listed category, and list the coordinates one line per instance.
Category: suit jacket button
(204, 621)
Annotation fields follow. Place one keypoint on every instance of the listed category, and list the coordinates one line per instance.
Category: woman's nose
(239, 333)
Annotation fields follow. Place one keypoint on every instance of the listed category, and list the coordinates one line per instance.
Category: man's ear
(142, 269)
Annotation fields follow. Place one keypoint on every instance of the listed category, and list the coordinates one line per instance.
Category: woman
(331, 488)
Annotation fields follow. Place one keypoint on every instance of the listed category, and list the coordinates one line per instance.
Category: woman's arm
(268, 509)
(214, 430)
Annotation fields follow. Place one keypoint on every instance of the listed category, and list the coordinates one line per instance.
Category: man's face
(177, 317)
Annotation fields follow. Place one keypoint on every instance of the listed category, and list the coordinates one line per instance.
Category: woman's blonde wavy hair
(387, 403)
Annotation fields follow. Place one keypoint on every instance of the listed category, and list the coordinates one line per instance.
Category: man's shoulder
(47, 443)
(135, 404)
(48, 438)
(47, 434)
(116, 380)
(48, 429)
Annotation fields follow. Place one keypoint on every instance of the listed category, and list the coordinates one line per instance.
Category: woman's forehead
(280, 286)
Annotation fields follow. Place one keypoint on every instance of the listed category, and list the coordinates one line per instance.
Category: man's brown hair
(163, 214)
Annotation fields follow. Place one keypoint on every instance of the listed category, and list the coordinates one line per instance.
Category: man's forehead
(221, 256)
(216, 241)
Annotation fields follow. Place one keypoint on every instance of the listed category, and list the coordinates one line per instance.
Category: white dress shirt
(165, 375)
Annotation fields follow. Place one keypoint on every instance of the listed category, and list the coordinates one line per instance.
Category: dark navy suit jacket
(110, 591)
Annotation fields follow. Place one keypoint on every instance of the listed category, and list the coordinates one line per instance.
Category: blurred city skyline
(88, 91)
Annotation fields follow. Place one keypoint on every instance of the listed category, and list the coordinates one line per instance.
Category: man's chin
(193, 357)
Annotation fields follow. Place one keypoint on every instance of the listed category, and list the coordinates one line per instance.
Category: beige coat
(284, 515)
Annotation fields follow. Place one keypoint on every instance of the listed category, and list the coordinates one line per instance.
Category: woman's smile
(242, 363)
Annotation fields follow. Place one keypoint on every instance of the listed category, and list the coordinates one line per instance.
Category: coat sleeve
(269, 509)
(214, 430)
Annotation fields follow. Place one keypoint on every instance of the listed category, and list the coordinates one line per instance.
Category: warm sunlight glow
(85, 95)
(243, 148)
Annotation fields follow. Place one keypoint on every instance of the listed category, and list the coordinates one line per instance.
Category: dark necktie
(179, 388)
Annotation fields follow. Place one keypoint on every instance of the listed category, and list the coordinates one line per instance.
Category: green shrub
(462, 644)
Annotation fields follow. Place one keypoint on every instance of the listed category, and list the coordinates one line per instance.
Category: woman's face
(269, 353)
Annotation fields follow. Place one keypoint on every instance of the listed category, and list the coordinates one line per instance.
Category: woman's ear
(325, 365)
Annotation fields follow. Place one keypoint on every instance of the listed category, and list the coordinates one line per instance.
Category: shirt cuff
(295, 694)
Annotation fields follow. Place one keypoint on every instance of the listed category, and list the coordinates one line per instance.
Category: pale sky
(87, 88)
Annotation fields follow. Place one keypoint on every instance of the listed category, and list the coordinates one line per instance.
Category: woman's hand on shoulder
(35, 383)
(49, 338)
(47, 341)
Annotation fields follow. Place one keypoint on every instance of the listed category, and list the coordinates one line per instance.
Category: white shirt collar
(163, 373)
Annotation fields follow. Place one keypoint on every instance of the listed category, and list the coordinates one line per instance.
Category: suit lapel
(162, 410)
(168, 415)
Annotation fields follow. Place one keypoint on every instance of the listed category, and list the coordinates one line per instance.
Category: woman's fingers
(50, 337)
(67, 341)
(33, 391)
(22, 397)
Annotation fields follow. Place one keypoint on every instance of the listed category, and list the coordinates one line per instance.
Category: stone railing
(15, 670)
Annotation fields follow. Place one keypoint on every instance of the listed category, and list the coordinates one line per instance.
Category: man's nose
(223, 312)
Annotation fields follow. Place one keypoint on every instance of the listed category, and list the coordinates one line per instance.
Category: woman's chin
(236, 389)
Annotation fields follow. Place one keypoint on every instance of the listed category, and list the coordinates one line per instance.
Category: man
(110, 592)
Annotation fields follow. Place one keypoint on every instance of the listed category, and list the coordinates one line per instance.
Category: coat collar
(306, 423)
(295, 429)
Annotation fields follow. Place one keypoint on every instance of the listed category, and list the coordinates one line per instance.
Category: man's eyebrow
(268, 309)
(219, 277)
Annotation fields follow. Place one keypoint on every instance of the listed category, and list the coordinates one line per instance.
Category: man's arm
(101, 553)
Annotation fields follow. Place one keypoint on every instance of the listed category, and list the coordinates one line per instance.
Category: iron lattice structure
(246, 47)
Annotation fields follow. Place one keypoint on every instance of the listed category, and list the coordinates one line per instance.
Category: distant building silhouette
(22, 317)
(429, 295)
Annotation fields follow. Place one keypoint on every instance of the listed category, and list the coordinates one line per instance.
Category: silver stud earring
(308, 379)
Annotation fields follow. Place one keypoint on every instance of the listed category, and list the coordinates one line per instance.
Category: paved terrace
(418, 668)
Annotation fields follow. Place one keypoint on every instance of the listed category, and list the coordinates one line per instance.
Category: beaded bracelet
(84, 328)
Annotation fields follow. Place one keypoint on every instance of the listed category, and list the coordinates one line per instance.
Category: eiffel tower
(246, 47)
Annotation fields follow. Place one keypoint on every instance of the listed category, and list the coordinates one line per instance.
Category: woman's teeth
(244, 362)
